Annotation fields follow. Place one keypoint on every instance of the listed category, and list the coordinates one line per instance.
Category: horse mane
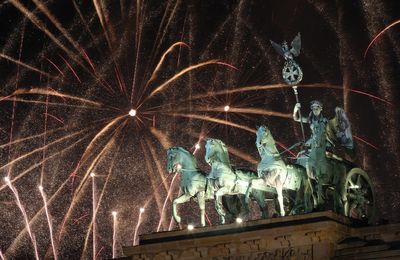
(225, 155)
(189, 154)
(271, 140)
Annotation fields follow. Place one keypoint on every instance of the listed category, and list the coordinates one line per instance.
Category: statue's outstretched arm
(296, 116)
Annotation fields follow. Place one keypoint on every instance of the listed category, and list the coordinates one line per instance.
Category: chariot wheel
(359, 196)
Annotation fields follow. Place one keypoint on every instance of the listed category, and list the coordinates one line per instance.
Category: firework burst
(91, 100)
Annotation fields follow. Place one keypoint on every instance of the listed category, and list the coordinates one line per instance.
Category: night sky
(70, 71)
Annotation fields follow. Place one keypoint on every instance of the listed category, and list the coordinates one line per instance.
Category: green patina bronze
(194, 184)
(275, 173)
(230, 181)
(319, 179)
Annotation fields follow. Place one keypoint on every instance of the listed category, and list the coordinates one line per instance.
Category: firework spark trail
(114, 236)
(365, 142)
(10, 98)
(103, 82)
(165, 201)
(379, 35)
(151, 174)
(77, 195)
(370, 95)
(70, 68)
(13, 115)
(41, 148)
(88, 60)
(94, 207)
(276, 86)
(54, 117)
(35, 20)
(86, 24)
(57, 24)
(100, 134)
(179, 74)
(160, 28)
(137, 227)
(161, 137)
(51, 92)
(163, 29)
(55, 66)
(158, 67)
(48, 132)
(236, 152)
(137, 45)
(102, 192)
(171, 222)
(172, 219)
(22, 209)
(14, 101)
(218, 32)
(160, 169)
(43, 28)
(257, 111)
(34, 219)
(121, 84)
(44, 140)
(18, 62)
(242, 155)
(103, 21)
(49, 222)
(223, 122)
(212, 119)
(107, 146)
(37, 164)
(77, 220)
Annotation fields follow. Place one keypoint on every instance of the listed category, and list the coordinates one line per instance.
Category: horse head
(179, 158)
(216, 151)
(173, 159)
(263, 135)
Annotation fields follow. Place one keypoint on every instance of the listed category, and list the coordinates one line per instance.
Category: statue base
(320, 235)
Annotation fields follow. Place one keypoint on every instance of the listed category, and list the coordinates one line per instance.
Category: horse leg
(218, 204)
(245, 207)
(340, 197)
(181, 199)
(320, 196)
(259, 196)
(280, 200)
(202, 204)
(307, 195)
(309, 179)
(247, 194)
(279, 191)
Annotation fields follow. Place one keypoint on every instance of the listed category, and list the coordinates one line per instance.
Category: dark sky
(98, 56)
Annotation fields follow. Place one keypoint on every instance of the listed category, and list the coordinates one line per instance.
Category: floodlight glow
(226, 108)
(239, 220)
(132, 112)
(141, 210)
(114, 213)
(190, 227)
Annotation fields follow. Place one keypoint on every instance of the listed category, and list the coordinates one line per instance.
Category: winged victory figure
(291, 73)
(284, 50)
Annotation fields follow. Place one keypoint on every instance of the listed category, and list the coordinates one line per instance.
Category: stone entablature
(322, 235)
